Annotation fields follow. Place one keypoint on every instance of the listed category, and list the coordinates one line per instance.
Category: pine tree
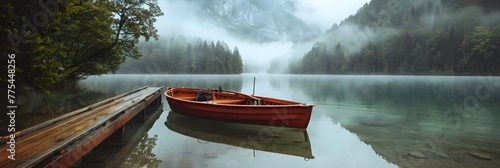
(237, 61)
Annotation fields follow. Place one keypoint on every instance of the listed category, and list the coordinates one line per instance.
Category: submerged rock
(481, 156)
(439, 153)
(417, 154)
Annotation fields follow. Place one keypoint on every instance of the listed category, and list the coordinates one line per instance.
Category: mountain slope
(259, 20)
(448, 37)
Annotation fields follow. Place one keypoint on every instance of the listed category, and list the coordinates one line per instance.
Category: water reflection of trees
(123, 83)
(231, 82)
(397, 115)
(142, 155)
(34, 107)
(413, 93)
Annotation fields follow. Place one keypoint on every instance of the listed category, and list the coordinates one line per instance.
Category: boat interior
(219, 96)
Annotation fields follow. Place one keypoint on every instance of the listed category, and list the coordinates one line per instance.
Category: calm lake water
(359, 121)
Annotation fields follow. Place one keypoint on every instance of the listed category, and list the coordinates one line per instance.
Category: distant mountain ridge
(257, 20)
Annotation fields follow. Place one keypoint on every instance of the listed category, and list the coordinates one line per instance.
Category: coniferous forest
(182, 55)
(460, 37)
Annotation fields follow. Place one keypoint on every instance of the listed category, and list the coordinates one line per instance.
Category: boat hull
(294, 116)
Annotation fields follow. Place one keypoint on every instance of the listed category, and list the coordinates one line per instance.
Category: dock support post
(123, 134)
(145, 116)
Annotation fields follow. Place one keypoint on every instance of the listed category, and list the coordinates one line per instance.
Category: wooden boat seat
(226, 101)
(191, 98)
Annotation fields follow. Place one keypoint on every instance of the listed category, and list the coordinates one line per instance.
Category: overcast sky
(322, 13)
(326, 12)
(180, 19)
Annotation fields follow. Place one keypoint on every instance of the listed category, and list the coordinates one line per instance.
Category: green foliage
(236, 61)
(143, 155)
(338, 62)
(66, 40)
(185, 56)
(431, 38)
(480, 51)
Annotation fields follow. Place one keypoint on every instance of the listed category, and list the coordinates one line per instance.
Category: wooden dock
(62, 141)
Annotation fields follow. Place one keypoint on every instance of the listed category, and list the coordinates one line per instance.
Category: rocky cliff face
(258, 20)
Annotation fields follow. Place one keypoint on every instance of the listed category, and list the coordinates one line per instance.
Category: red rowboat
(231, 106)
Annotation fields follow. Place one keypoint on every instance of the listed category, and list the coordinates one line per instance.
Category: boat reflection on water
(289, 141)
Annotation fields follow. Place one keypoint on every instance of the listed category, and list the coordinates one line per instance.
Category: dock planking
(62, 141)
